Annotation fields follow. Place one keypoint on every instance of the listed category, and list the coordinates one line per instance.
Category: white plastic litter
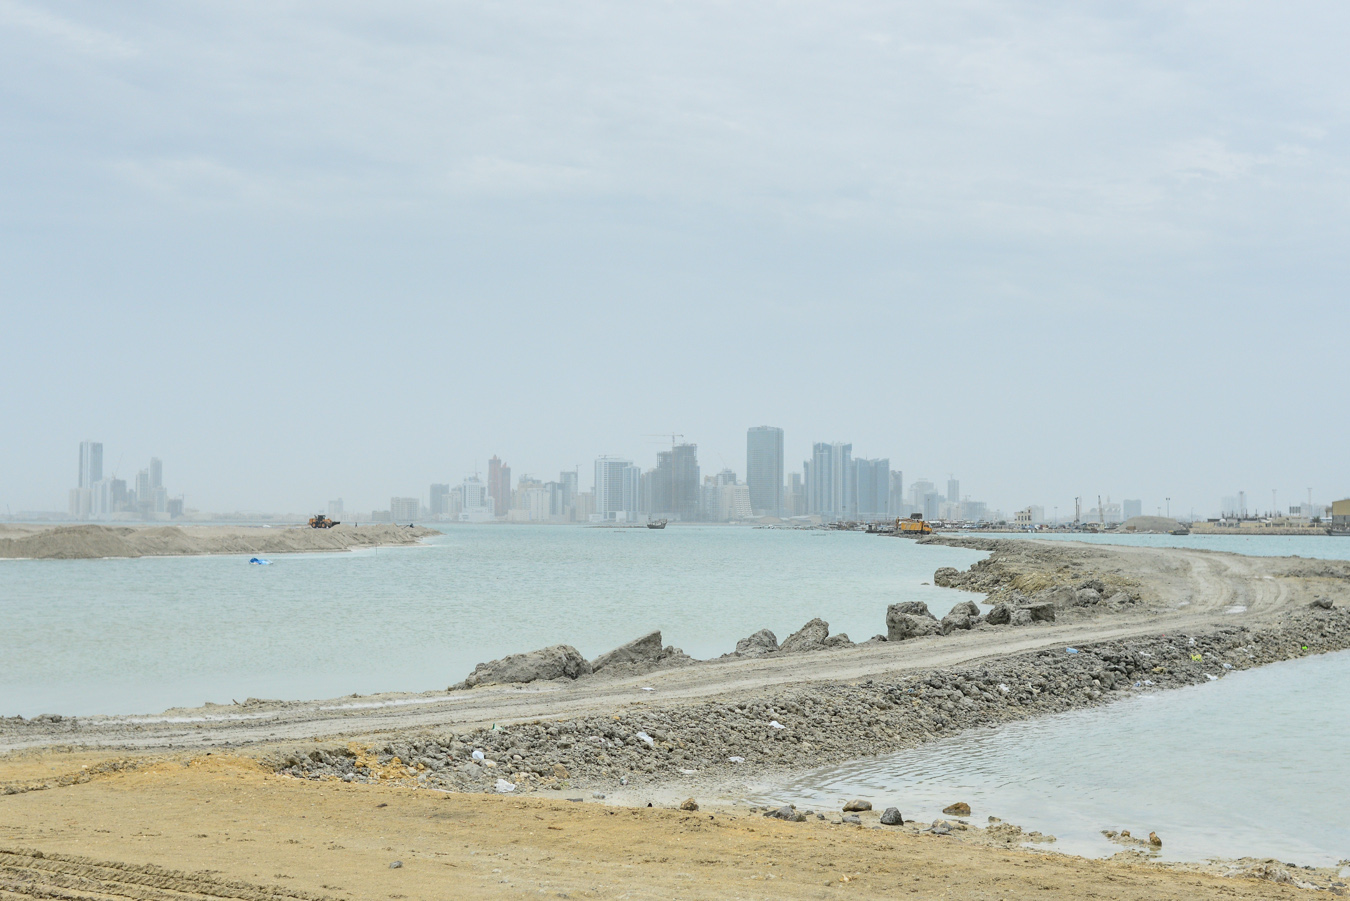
(1004, 688)
(774, 724)
(651, 743)
(646, 688)
(1072, 650)
(478, 755)
(1228, 666)
(1211, 678)
(736, 759)
(503, 786)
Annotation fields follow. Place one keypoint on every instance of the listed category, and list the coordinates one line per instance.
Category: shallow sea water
(139, 636)
(1251, 765)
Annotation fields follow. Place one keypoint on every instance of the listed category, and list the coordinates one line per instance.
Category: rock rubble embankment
(816, 724)
(92, 541)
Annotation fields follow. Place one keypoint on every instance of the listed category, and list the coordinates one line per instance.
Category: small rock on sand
(892, 817)
(1154, 840)
(959, 809)
(688, 804)
(856, 805)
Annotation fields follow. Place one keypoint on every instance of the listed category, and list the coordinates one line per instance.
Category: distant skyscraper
(917, 492)
(953, 491)
(476, 504)
(871, 487)
(829, 481)
(440, 500)
(675, 485)
(499, 486)
(144, 497)
(404, 509)
(156, 473)
(335, 509)
(897, 506)
(616, 489)
(91, 463)
(1133, 508)
(764, 469)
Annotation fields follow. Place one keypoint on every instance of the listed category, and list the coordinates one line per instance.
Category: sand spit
(91, 541)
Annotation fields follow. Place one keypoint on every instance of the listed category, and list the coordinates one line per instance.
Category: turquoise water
(1253, 765)
(1320, 546)
(131, 636)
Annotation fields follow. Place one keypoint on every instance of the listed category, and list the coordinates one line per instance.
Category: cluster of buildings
(97, 497)
(831, 486)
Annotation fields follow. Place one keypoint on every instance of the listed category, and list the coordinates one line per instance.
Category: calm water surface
(1252, 765)
(142, 635)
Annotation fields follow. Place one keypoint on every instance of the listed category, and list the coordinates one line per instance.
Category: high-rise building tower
(440, 500)
(499, 486)
(953, 491)
(675, 487)
(829, 481)
(897, 505)
(156, 473)
(616, 489)
(91, 463)
(871, 488)
(764, 469)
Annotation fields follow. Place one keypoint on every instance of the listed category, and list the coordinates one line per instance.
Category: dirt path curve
(1192, 591)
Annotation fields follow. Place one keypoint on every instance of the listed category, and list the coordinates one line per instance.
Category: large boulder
(947, 577)
(909, 619)
(1001, 615)
(561, 661)
(954, 621)
(968, 608)
(641, 655)
(644, 650)
(757, 645)
(1020, 616)
(810, 637)
(1063, 596)
(1088, 597)
(839, 641)
(1041, 611)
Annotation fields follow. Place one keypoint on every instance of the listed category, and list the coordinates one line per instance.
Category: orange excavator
(319, 521)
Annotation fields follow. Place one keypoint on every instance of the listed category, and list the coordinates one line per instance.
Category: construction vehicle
(319, 521)
(913, 527)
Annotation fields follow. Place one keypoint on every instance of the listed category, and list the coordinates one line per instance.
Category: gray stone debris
(810, 637)
(891, 817)
(560, 661)
(910, 619)
(968, 608)
(1001, 615)
(641, 655)
(852, 819)
(1088, 597)
(757, 645)
(856, 805)
(1322, 603)
(787, 813)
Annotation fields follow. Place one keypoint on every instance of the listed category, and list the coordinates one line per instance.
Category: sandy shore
(149, 780)
(43, 542)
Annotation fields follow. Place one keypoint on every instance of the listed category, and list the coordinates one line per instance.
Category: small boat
(259, 561)
(657, 524)
(1179, 532)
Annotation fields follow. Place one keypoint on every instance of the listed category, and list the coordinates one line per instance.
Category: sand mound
(1150, 524)
(84, 541)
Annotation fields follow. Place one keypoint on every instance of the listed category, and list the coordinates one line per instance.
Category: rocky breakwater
(641, 655)
(750, 736)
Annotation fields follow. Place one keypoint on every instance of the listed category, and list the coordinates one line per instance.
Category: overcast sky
(302, 251)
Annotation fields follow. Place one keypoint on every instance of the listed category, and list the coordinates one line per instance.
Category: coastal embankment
(1066, 626)
(73, 542)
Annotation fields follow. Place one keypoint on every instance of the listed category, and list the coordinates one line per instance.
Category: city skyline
(832, 485)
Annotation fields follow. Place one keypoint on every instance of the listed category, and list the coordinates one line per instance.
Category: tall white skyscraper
(617, 483)
(764, 469)
(829, 481)
(91, 463)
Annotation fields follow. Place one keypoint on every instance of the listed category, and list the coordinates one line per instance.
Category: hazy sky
(302, 251)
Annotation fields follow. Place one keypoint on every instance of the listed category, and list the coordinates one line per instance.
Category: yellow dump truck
(913, 527)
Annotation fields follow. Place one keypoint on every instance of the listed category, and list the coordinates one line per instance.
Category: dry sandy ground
(223, 828)
(84, 541)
